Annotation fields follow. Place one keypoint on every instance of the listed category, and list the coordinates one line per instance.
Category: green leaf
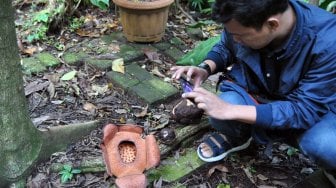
(69, 76)
(63, 172)
(67, 168)
(42, 16)
(102, 4)
(223, 186)
(76, 171)
(291, 151)
(197, 55)
(65, 177)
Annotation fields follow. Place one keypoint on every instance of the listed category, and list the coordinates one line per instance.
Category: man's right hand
(198, 75)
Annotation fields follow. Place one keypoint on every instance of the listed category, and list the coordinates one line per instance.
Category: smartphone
(186, 85)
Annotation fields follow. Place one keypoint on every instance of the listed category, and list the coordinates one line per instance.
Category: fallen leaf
(306, 171)
(157, 72)
(151, 55)
(280, 183)
(121, 111)
(51, 90)
(143, 113)
(249, 175)
(40, 120)
(30, 50)
(219, 167)
(35, 86)
(276, 160)
(89, 107)
(69, 76)
(99, 90)
(266, 186)
(262, 177)
(118, 65)
(85, 33)
(54, 78)
(122, 120)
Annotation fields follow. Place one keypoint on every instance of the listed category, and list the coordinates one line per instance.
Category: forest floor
(285, 167)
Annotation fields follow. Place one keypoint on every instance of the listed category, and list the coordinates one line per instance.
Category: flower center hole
(127, 151)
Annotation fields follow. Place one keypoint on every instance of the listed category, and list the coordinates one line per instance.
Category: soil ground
(249, 168)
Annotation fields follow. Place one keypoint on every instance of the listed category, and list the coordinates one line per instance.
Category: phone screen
(186, 86)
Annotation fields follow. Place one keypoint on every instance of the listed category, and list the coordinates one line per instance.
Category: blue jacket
(306, 84)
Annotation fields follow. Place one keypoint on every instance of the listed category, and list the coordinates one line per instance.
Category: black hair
(249, 13)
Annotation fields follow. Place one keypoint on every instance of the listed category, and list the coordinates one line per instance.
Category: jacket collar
(295, 39)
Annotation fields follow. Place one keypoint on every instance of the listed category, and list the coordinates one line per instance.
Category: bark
(22, 146)
(184, 136)
(20, 141)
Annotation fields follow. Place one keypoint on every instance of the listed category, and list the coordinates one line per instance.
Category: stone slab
(143, 84)
(172, 169)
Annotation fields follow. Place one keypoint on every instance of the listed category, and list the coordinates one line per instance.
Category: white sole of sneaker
(222, 156)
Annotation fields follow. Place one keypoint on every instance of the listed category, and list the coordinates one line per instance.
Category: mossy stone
(124, 80)
(172, 169)
(32, 65)
(47, 59)
(71, 58)
(130, 53)
(115, 36)
(101, 64)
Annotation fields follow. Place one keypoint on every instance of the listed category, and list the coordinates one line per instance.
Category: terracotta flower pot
(143, 21)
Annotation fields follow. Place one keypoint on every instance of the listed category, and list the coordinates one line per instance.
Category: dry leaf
(51, 90)
(84, 33)
(89, 107)
(262, 177)
(143, 113)
(121, 111)
(151, 55)
(118, 65)
(99, 90)
(219, 167)
(249, 175)
(157, 72)
(35, 86)
(30, 50)
(280, 183)
(122, 120)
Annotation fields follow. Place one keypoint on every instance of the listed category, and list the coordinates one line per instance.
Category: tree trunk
(20, 141)
(21, 144)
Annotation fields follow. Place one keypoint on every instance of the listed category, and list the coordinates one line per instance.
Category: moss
(71, 58)
(48, 59)
(174, 169)
(100, 64)
(32, 65)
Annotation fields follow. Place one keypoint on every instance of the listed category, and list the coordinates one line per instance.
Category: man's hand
(217, 108)
(197, 74)
(210, 103)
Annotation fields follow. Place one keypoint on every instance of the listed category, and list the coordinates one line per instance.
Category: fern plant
(203, 6)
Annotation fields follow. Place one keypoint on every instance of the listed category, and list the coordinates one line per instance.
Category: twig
(184, 12)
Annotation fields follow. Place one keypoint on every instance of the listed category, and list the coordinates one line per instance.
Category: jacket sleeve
(220, 53)
(314, 96)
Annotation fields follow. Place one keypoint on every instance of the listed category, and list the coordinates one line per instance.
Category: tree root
(59, 137)
(96, 164)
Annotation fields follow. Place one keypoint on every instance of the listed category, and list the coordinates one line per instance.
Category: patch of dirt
(65, 103)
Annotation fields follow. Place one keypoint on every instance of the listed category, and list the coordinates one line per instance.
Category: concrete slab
(143, 84)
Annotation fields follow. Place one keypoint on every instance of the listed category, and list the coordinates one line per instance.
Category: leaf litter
(72, 94)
